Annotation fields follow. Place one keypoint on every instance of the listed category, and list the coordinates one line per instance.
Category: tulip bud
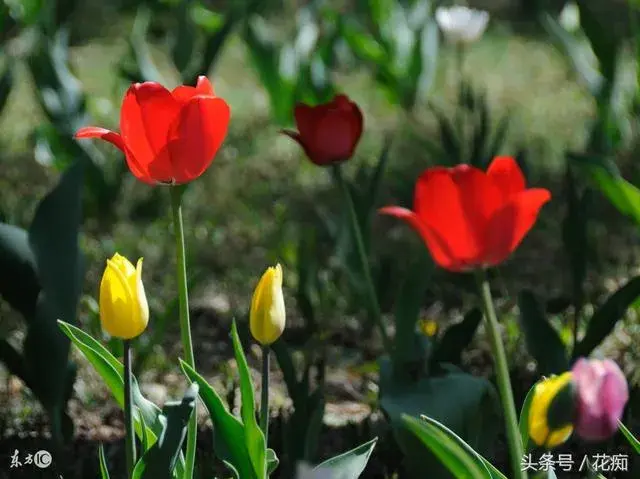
(267, 316)
(551, 411)
(124, 312)
(602, 393)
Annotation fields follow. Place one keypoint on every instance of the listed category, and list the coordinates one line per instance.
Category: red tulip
(168, 136)
(469, 218)
(328, 133)
(601, 395)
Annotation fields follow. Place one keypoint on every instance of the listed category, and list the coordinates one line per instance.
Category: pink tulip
(601, 392)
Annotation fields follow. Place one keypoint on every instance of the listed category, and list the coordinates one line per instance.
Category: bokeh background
(67, 63)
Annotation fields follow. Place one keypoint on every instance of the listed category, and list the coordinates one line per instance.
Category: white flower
(461, 24)
(570, 17)
(306, 471)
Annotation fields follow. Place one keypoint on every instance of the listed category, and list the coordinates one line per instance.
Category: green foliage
(473, 136)
(350, 464)
(240, 444)
(459, 458)
(542, 340)
(104, 470)
(32, 263)
(633, 441)
(466, 404)
(159, 460)
(296, 69)
(302, 429)
(456, 338)
(146, 415)
(400, 45)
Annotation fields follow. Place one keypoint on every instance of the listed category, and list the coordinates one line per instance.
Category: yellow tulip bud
(551, 411)
(428, 327)
(124, 312)
(267, 316)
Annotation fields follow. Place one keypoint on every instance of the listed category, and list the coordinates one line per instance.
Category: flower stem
(502, 374)
(372, 297)
(130, 443)
(185, 327)
(264, 403)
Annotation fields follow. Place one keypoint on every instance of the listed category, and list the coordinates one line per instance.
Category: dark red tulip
(328, 133)
(472, 219)
(168, 136)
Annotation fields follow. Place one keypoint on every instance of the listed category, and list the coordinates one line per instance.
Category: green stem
(502, 374)
(264, 403)
(372, 297)
(185, 327)
(130, 442)
(460, 108)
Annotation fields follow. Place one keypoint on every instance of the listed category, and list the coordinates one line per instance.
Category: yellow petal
(267, 316)
(543, 396)
(123, 305)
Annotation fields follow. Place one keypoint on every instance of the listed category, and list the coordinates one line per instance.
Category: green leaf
(6, 83)
(456, 338)
(576, 51)
(229, 432)
(606, 316)
(144, 435)
(523, 423)
(254, 437)
(160, 460)
(104, 470)
(185, 37)
(351, 464)
(53, 238)
(272, 461)
(465, 404)
(633, 441)
(112, 373)
(407, 310)
(459, 458)
(604, 174)
(542, 340)
(19, 284)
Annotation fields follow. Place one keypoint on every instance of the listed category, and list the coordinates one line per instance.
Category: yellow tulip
(124, 312)
(267, 316)
(550, 412)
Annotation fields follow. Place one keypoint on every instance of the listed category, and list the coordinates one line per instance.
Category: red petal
(512, 222)
(436, 246)
(196, 136)
(184, 93)
(506, 175)
(306, 119)
(147, 112)
(96, 132)
(439, 204)
(116, 140)
(334, 138)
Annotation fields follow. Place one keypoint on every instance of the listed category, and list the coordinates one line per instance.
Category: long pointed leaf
(461, 460)
(230, 443)
(351, 464)
(254, 438)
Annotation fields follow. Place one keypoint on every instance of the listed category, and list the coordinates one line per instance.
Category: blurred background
(549, 82)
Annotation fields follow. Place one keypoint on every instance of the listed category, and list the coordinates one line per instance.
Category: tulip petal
(512, 222)
(306, 119)
(506, 175)
(116, 140)
(196, 136)
(96, 132)
(436, 246)
(184, 93)
(148, 110)
(479, 198)
(438, 203)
